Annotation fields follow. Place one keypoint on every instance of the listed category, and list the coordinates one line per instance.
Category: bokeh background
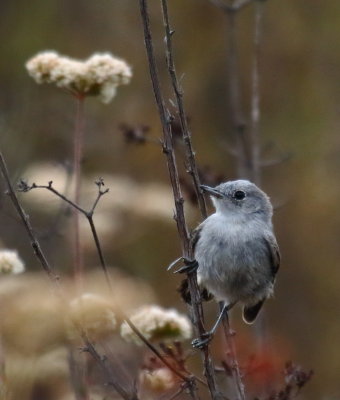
(300, 115)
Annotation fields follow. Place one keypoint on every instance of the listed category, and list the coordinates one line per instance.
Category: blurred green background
(300, 92)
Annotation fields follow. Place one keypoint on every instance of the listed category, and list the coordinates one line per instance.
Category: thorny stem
(179, 216)
(110, 376)
(77, 159)
(190, 154)
(235, 368)
(26, 222)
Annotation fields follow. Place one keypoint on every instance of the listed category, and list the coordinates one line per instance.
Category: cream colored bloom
(10, 263)
(157, 325)
(99, 75)
(93, 314)
(156, 381)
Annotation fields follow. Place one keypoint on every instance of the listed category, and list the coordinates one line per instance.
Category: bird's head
(240, 198)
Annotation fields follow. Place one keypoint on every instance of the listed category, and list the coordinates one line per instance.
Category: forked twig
(43, 261)
(24, 187)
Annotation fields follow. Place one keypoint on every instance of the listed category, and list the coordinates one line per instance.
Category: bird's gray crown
(240, 197)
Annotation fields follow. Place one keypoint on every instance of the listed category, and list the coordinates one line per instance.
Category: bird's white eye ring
(239, 195)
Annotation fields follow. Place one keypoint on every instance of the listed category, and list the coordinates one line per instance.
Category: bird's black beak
(212, 191)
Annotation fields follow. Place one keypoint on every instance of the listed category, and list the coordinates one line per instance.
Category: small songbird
(236, 250)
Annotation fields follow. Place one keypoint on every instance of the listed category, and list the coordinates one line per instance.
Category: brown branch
(24, 187)
(174, 178)
(89, 215)
(235, 368)
(236, 113)
(110, 376)
(78, 138)
(255, 96)
(47, 268)
(188, 379)
(190, 154)
(27, 225)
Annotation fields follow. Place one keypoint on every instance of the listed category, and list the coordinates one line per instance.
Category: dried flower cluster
(157, 381)
(93, 314)
(157, 325)
(10, 263)
(99, 75)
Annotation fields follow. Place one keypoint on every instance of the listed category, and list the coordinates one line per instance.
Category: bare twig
(236, 113)
(235, 368)
(174, 178)
(77, 158)
(43, 261)
(24, 187)
(176, 394)
(185, 378)
(255, 97)
(190, 154)
(26, 222)
(77, 375)
(109, 374)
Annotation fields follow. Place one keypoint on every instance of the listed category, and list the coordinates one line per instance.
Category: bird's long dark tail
(250, 313)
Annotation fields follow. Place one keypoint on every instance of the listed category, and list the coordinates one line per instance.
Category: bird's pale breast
(233, 260)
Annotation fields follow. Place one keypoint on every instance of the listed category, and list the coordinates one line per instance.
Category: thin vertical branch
(255, 95)
(77, 378)
(174, 178)
(112, 380)
(236, 113)
(77, 159)
(235, 368)
(27, 225)
(190, 154)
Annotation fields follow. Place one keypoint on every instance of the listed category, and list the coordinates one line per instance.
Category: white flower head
(40, 66)
(93, 314)
(99, 75)
(158, 380)
(157, 325)
(10, 263)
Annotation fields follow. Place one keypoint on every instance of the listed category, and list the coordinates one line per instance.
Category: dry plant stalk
(169, 152)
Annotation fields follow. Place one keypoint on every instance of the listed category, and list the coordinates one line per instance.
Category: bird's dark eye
(239, 195)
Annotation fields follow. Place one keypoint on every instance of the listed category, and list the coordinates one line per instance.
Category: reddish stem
(77, 159)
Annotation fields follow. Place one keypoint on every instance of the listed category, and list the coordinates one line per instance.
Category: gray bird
(236, 250)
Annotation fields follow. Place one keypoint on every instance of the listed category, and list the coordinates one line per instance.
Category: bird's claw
(203, 341)
(189, 267)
